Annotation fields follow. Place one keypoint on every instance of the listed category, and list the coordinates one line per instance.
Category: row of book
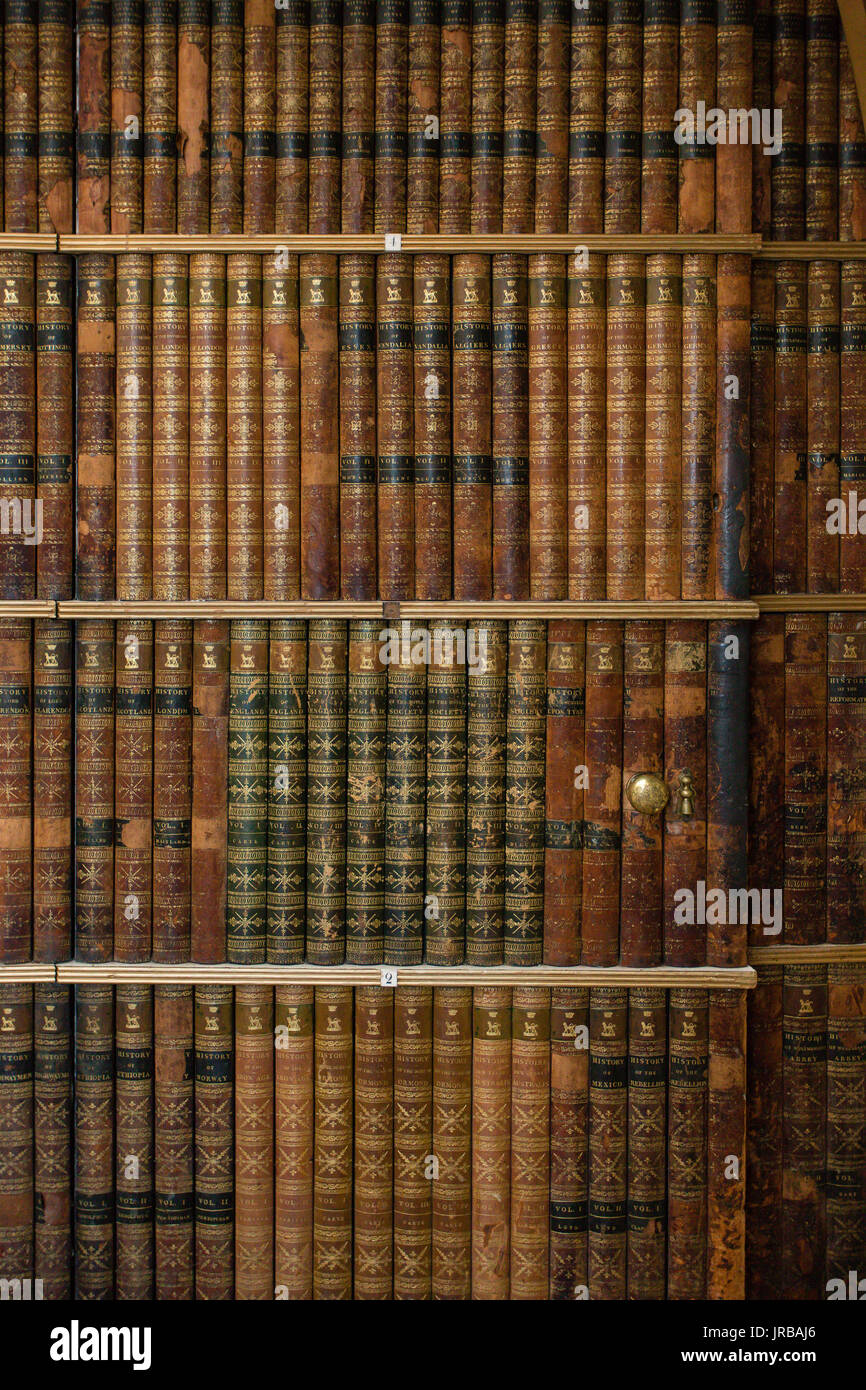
(412, 1143)
(339, 790)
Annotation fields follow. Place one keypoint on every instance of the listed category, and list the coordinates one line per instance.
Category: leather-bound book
(127, 116)
(52, 789)
(372, 1224)
(16, 789)
(622, 136)
(254, 1142)
(214, 1143)
(432, 426)
(846, 1076)
(851, 153)
(413, 1137)
(325, 116)
(287, 790)
(659, 163)
(16, 1129)
(359, 115)
(488, 56)
(510, 386)
(320, 444)
(805, 778)
(94, 790)
(94, 1142)
(171, 428)
(790, 426)
(684, 836)
(564, 789)
(804, 1132)
(523, 918)
(326, 791)
(626, 290)
(133, 789)
(133, 1142)
(569, 1114)
(392, 81)
(93, 101)
(135, 420)
(822, 427)
(846, 783)
(472, 427)
(452, 1144)
(731, 489)
(603, 795)
(642, 835)
(226, 116)
(647, 1136)
(455, 115)
(281, 429)
(172, 789)
(160, 115)
(764, 1136)
(852, 459)
(586, 400)
(688, 1048)
(245, 541)
(246, 897)
(787, 174)
(174, 1115)
(698, 423)
(767, 757)
(52, 1132)
(358, 458)
(193, 117)
(365, 793)
(21, 93)
(55, 425)
(260, 45)
(294, 1113)
(405, 790)
(608, 1139)
(734, 91)
(95, 445)
(332, 1155)
(548, 429)
(292, 118)
(491, 1143)
(486, 704)
(821, 120)
(664, 301)
(697, 175)
(586, 132)
(762, 378)
(727, 784)
(530, 1143)
(395, 426)
(726, 1145)
(20, 530)
(445, 849)
(207, 426)
(422, 138)
(762, 97)
(551, 147)
(56, 146)
(209, 827)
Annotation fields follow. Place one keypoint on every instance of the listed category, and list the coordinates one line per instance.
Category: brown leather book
(608, 1138)
(395, 427)
(523, 918)
(565, 784)
(697, 83)
(734, 92)
(805, 919)
(548, 429)
(491, 1143)
(624, 43)
(510, 387)
(94, 790)
(569, 1134)
(171, 427)
(207, 426)
(392, 80)
(174, 1114)
(727, 785)
(603, 796)
(95, 445)
(214, 1143)
(172, 789)
(684, 826)
(281, 428)
(413, 1138)
(647, 1134)
(405, 803)
(846, 1163)
(226, 116)
(790, 428)
(445, 811)
(332, 1160)
(423, 138)
(209, 823)
(452, 1144)
(731, 485)
(821, 120)
(432, 426)
(766, 758)
(823, 424)
(93, 139)
(52, 1126)
(292, 119)
(726, 1146)
(254, 1142)
(94, 1142)
(294, 1113)
(486, 704)
(287, 790)
(664, 310)
(852, 460)
(56, 147)
(16, 788)
(642, 835)
(359, 115)
(260, 52)
(551, 148)
(160, 115)
(53, 649)
(586, 134)
(127, 116)
(530, 1142)
(488, 43)
(764, 1136)
(326, 791)
(245, 542)
(133, 789)
(625, 428)
(135, 421)
(804, 1131)
(246, 877)
(762, 378)
(16, 1118)
(373, 1166)
(193, 117)
(687, 1144)
(787, 173)
(587, 366)
(852, 158)
(472, 427)
(365, 793)
(325, 64)
(846, 789)
(21, 92)
(762, 98)
(659, 163)
(20, 529)
(134, 1142)
(55, 425)
(455, 107)
(358, 457)
(698, 423)
(320, 448)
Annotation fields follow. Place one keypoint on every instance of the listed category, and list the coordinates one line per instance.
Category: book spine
(551, 142)
(246, 896)
(647, 1126)
(133, 789)
(292, 118)
(697, 82)
(209, 822)
(52, 788)
(626, 290)
(21, 93)
(260, 53)
(734, 91)
(395, 426)
(455, 106)
(226, 116)
(846, 1076)
(452, 1144)
(94, 1142)
(56, 141)
(281, 429)
(642, 835)
(486, 709)
(851, 153)
(767, 757)
(664, 314)
(587, 366)
(804, 1131)
(332, 1159)
(254, 1140)
(488, 41)
(365, 793)
(127, 112)
(172, 790)
(432, 426)
(790, 426)
(523, 924)
(684, 837)
(207, 427)
(294, 1110)
(422, 135)
(586, 128)
(325, 107)
(569, 1114)
(565, 782)
(787, 177)
(16, 1132)
(763, 99)
(19, 438)
(133, 1142)
(135, 420)
(472, 427)
(548, 428)
(510, 437)
(287, 790)
(491, 1143)
(852, 458)
(530, 1143)
(55, 425)
(805, 852)
(764, 1135)
(391, 109)
(405, 764)
(726, 1146)
(372, 1225)
(731, 481)
(822, 426)
(846, 805)
(727, 783)
(245, 540)
(821, 121)
(193, 117)
(160, 115)
(93, 139)
(95, 475)
(359, 115)
(326, 791)
(413, 1138)
(170, 427)
(608, 1138)
(320, 441)
(622, 136)
(52, 1133)
(214, 1143)
(94, 790)
(16, 789)
(659, 172)
(762, 377)
(445, 821)
(687, 1144)
(174, 1113)
(603, 797)
(699, 375)
(358, 458)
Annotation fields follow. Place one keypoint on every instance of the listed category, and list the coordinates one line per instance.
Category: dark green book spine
(287, 790)
(486, 701)
(246, 903)
(365, 794)
(404, 796)
(326, 792)
(524, 793)
(445, 868)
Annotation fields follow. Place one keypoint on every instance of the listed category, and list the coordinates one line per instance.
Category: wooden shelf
(828, 953)
(393, 612)
(29, 972)
(28, 608)
(812, 251)
(442, 243)
(810, 603)
(222, 608)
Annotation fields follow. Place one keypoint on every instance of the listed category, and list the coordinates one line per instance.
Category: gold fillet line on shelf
(339, 608)
(28, 608)
(445, 243)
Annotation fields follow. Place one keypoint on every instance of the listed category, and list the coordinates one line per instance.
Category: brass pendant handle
(648, 793)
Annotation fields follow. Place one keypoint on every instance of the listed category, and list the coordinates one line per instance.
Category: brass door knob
(648, 793)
